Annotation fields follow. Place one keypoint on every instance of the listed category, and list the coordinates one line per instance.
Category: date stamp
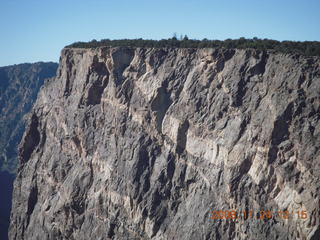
(258, 215)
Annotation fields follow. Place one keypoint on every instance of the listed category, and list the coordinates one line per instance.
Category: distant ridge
(19, 86)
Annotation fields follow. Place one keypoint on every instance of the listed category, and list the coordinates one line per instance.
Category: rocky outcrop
(19, 86)
(145, 143)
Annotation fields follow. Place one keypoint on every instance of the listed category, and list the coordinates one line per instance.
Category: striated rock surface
(145, 143)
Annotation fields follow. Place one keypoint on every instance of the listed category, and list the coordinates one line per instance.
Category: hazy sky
(36, 30)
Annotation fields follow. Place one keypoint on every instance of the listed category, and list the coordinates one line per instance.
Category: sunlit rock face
(139, 143)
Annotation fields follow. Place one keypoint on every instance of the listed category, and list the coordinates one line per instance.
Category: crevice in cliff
(142, 168)
(121, 58)
(161, 104)
(239, 93)
(95, 92)
(126, 92)
(32, 201)
(97, 81)
(111, 231)
(280, 132)
(238, 173)
(171, 166)
(299, 103)
(77, 199)
(182, 137)
(31, 140)
(222, 57)
(77, 142)
(68, 82)
(239, 86)
(260, 67)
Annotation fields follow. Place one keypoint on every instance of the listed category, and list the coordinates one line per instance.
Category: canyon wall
(19, 86)
(141, 143)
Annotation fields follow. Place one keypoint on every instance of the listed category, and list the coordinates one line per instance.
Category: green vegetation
(19, 87)
(309, 48)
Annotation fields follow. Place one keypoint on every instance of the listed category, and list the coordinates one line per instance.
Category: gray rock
(145, 143)
(19, 86)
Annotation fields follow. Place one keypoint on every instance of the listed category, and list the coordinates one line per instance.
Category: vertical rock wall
(145, 143)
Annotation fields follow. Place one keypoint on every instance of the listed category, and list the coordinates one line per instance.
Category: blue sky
(36, 30)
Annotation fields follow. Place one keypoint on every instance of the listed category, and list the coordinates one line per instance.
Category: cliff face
(19, 86)
(146, 143)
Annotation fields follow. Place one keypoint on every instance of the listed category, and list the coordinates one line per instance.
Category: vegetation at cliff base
(309, 48)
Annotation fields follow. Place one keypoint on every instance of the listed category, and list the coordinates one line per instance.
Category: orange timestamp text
(260, 215)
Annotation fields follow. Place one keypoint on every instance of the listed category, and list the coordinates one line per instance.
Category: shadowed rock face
(19, 86)
(145, 143)
(6, 187)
